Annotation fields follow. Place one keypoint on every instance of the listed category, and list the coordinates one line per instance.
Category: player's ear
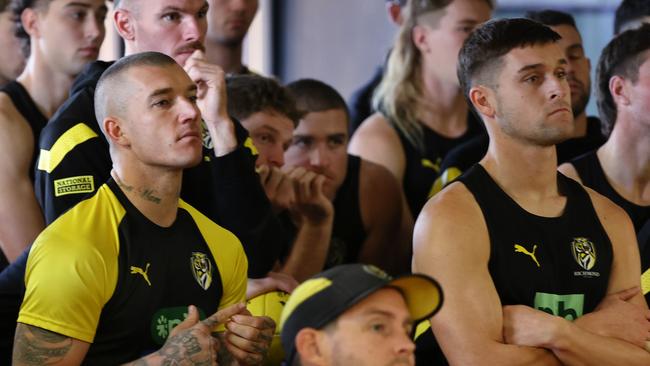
(481, 98)
(124, 21)
(30, 22)
(115, 131)
(618, 88)
(310, 347)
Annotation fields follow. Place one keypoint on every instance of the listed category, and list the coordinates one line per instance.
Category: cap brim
(422, 293)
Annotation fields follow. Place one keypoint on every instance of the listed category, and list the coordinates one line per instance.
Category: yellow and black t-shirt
(104, 274)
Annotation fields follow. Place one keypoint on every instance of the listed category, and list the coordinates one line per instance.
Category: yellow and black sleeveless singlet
(592, 175)
(560, 265)
(423, 167)
(103, 273)
(28, 108)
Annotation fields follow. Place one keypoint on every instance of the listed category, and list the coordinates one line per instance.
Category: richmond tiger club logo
(584, 253)
(201, 269)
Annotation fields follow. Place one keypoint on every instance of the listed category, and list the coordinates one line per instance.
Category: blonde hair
(398, 95)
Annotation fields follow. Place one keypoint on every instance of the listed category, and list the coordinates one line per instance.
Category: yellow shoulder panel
(72, 268)
(48, 160)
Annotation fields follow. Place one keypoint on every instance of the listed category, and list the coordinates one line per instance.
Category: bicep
(471, 317)
(37, 346)
(20, 216)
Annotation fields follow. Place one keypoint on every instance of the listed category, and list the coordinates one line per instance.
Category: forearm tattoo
(37, 346)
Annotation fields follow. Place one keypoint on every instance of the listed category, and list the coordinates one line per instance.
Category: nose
(558, 88)
(404, 346)
(94, 27)
(193, 30)
(238, 5)
(276, 156)
(318, 157)
(189, 112)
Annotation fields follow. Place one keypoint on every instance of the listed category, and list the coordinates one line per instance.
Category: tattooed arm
(37, 346)
(190, 343)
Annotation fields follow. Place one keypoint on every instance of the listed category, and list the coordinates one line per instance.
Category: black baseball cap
(322, 298)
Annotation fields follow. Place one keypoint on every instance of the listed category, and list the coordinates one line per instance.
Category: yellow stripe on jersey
(71, 252)
(49, 159)
(422, 327)
(645, 282)
(251, 146)
(229, 255)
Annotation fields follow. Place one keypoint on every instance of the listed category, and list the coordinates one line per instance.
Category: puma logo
(520, 249)
(138, 270)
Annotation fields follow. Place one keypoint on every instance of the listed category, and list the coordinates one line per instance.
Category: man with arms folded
(522, 251)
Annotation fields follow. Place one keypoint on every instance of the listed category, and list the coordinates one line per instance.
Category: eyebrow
(468, 21)
(576, 46)
(532, 67)
(74, 4)
(269, 127)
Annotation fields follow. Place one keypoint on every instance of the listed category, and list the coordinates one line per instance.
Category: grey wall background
(343, 41)
(338, 41)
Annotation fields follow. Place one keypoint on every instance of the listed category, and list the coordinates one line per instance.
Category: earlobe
(123, 24)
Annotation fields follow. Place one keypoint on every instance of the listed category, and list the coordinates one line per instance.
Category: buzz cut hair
(109, 92)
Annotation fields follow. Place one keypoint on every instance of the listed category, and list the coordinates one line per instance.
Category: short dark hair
(107, 89)
(17, 7)
(249, 94)
(551, 17)
(486, 45)
(622, 56)
(316, 96)
(629, 11)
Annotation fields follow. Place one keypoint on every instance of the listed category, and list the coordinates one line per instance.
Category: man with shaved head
(130, 244)
(74, 157)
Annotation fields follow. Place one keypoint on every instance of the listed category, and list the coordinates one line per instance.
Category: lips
(89, 51)
(190, 135)
(560, 110)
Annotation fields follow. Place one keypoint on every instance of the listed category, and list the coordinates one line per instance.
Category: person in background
(620, 169)
(12, 60)
(360, 103)
(631, 14)
(366, 229)
(422, 113)
(228, 23)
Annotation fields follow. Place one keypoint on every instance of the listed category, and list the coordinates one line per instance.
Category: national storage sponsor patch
(73, 185)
